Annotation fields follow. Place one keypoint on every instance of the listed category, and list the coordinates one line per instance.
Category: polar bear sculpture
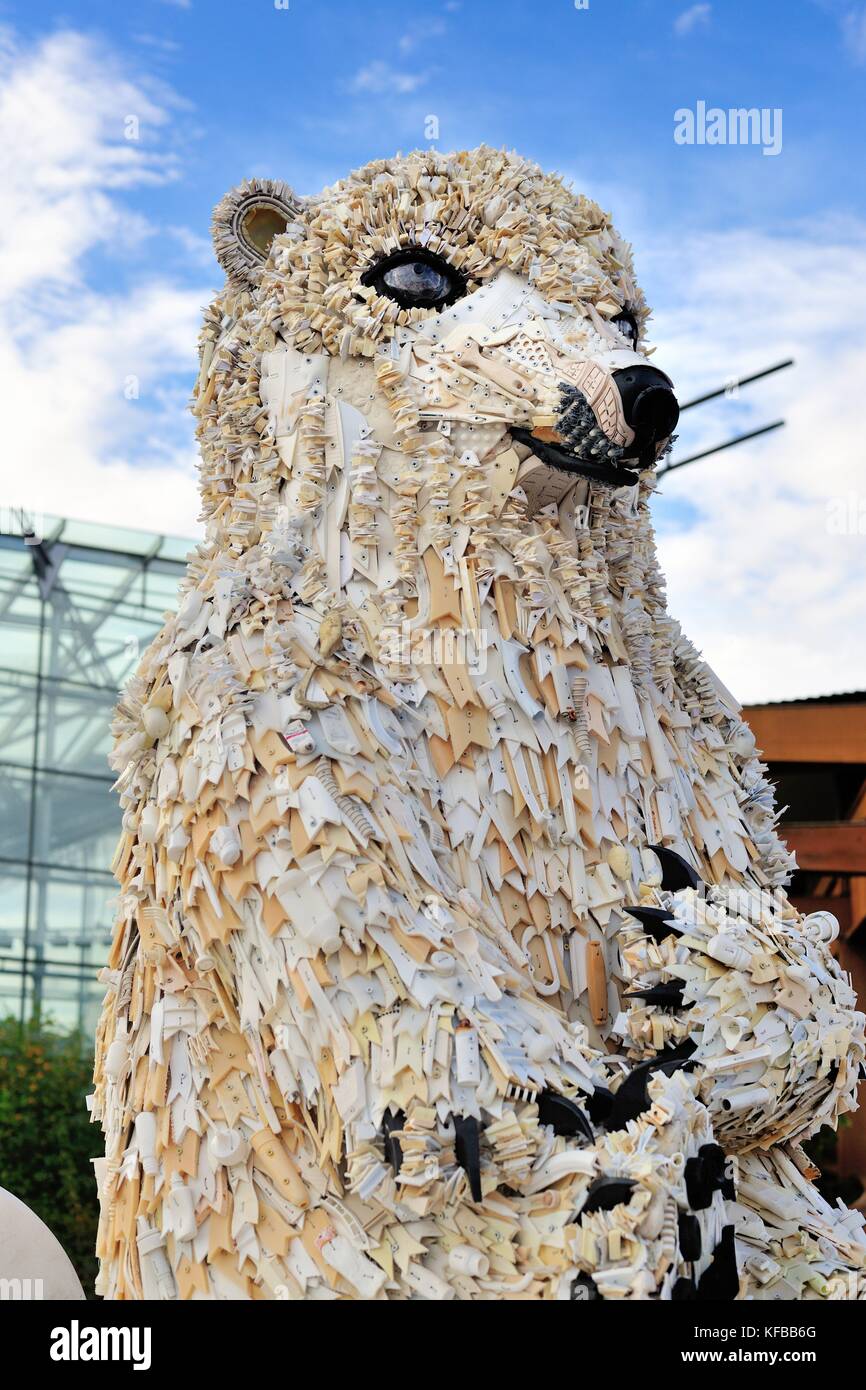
(453, 958)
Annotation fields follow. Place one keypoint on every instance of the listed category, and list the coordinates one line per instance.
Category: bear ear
(245, 223)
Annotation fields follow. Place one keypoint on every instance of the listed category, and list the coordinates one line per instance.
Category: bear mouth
(566, 461)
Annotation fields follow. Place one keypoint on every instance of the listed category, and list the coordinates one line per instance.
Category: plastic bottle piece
(820, 926)
(182, 1209)
(299, 739)
(225, 845)
(539, 1046)
(156, 1272)
(365, 1277)
(727, 951)
(118, 1052)
(443, 963)
(155, 721)
(746, 1098)
(148, 824)
(145, 1140)
(465, 1259)
(227, 1146)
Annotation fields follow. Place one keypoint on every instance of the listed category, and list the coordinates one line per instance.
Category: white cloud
(759, 581)
(691, 18)
(854, 31)
(381, 79)
(73, 444)
(421, 34)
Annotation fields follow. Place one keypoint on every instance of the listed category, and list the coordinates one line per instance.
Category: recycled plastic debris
(452, 955)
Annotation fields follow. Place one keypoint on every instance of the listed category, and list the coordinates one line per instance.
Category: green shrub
(46, 1138)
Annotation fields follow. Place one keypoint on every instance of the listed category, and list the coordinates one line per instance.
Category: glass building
(78, 604)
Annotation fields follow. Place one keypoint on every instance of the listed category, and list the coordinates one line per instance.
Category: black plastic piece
(564, 1115)
(392, 1122)
(720, 1281)
(666, 996)
(599, 1104)
(585, 1290)
(690, 1237)
(705, 1174)
(649, 405)
(557, 457)
(605, 1194)
(657, 922)
(676, 872)
(632, 1098)
(375, 275)
(467, 1147)
(684, 1291)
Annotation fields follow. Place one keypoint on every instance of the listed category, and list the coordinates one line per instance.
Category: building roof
(842, 697)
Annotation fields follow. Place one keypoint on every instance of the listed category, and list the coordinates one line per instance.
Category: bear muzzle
(608, 418)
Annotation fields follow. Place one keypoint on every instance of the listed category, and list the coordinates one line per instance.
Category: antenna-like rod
(717, 448)
(735, 385)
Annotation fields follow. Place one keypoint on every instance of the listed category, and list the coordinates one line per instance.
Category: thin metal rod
(735, 385)
(717, 448)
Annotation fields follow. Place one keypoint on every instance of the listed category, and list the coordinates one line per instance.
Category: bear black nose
(649, 404)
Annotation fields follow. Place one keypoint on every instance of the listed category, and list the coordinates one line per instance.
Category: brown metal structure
(816, 752)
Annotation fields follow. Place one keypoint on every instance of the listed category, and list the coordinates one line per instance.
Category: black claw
(564, 1115)
(676, 872)
(599, 1104)
(391, 1123)
(632, 1098)
(666, 996)
(607, 1193)
(690, 1237)
(721, 1280)
(708, 1173)
(657, 922)
(467, 1147)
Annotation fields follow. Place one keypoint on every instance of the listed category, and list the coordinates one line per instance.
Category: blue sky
(311, 91)
(105, 258)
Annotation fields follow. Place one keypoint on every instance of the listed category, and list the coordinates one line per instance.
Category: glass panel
(14, 812)
(74, 730)
(17, 718)
(68, 941)
(12, 982)
(107, 601)
(20, 608)
(13, 901)
(77, 821)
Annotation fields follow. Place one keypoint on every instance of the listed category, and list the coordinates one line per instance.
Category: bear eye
(416, 279)
(627, 325)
